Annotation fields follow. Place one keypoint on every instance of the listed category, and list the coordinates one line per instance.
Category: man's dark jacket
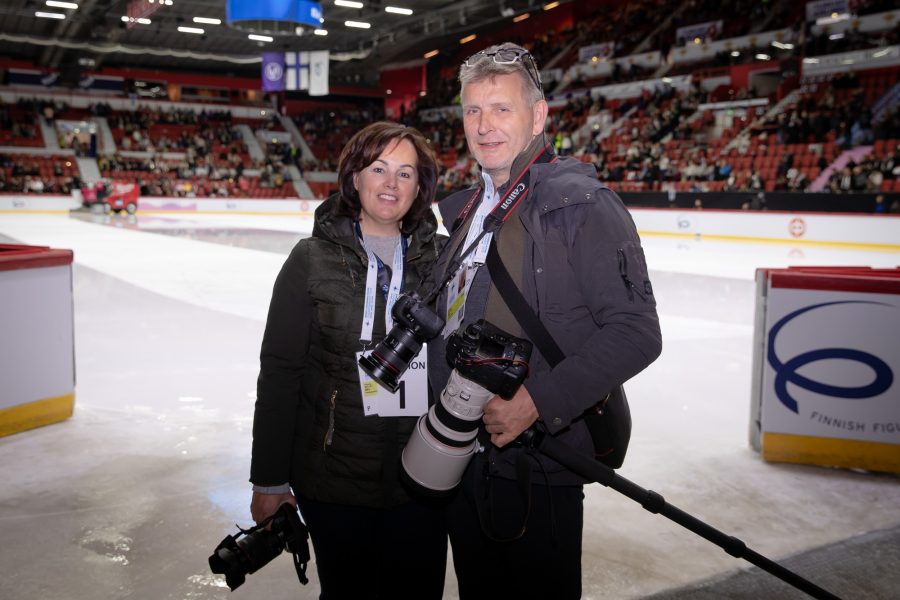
(583, 271)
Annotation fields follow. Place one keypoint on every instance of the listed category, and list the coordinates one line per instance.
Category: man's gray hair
(482, 65)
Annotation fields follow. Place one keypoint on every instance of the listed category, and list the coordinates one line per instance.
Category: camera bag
(608, 421)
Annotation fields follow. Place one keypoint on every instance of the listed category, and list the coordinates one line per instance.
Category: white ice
(129, 497)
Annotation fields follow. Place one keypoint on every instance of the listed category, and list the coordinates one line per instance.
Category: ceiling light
(357, 24)
(207, 20)
(763, 57)
(432, 54)
(398, 11)
(520, 18)
(143, 20)
(260, 38)
(468, 39)
(57, 4)
(836, 36)
(320, 31)
(881, 53)
(348, 4)
(190, 30)
(49, 15)
(735, 53)
(551, 5)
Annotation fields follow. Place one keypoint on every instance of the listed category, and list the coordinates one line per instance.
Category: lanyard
(490, 199)
(376, 277)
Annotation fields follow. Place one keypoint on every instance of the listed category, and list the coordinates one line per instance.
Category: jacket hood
(329, 225)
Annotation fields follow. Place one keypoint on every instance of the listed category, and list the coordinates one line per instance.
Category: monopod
(656, 504)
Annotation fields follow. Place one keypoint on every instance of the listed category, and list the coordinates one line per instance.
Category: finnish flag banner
(272, 71)
(306, 71)
(296, 66)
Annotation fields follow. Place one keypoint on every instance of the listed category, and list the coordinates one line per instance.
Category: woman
(374, 239)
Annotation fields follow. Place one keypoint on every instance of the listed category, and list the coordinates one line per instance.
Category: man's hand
(506, 419)
(264, 505)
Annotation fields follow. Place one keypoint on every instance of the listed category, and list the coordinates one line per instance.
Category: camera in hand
(414, 324)
(249, 551)
(486, 361)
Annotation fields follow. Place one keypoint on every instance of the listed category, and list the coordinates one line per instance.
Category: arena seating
(815, 131)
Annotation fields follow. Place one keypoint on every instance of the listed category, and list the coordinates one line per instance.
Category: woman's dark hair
(365, 147)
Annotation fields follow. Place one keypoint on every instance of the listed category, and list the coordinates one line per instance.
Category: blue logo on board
(786, 372)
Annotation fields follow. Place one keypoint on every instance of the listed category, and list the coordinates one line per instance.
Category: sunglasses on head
(508, 56)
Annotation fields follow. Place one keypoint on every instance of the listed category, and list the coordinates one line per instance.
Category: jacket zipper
(623, 273)
(329, 435)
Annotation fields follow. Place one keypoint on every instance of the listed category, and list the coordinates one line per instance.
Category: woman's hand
(265, 505)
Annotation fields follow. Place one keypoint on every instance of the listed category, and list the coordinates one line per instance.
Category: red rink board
(13, 257)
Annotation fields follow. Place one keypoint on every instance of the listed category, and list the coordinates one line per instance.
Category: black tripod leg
(656, 504)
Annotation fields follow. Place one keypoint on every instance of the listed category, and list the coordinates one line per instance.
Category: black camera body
(490, 357)
(249, 551)
(415, 324)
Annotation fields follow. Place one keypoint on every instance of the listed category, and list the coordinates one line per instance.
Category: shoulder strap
(517, 304)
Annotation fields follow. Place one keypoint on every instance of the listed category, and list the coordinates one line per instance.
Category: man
(573, 251)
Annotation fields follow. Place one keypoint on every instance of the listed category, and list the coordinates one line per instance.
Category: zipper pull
(329, 435)
(623, 273)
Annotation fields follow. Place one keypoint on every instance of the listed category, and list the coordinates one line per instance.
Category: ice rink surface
(129, 497)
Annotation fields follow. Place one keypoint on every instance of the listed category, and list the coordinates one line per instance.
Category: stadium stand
(652, 108)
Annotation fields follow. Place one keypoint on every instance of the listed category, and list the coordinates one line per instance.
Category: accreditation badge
(410, 400)
(457, 291)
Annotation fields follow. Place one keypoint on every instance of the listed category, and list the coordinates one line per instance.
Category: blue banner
(273, 71)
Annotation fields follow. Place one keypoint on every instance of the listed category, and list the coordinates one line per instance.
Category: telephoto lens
(486, 361)
(443, 441)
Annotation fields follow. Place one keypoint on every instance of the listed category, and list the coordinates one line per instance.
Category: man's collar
(527, 156)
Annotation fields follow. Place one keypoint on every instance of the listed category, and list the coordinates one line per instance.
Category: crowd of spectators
(867, 175)
(819, 116)
(19, 121)
(327, 131)
(207, 130)
(19, 174)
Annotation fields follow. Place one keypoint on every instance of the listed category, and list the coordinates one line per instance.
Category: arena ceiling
(94, 36)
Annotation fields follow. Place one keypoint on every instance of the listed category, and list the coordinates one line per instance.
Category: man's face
(499, 122)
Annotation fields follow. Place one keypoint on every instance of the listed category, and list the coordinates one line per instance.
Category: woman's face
(387, 188)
